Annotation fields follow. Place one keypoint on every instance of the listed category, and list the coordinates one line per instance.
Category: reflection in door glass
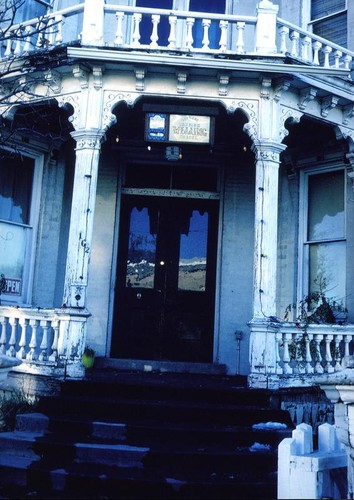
(193, 254)
(141, 251)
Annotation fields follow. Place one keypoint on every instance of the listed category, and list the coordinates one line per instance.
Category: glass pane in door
(193, 254)
(140, 270)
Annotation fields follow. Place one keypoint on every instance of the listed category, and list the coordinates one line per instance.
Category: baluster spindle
(27, 44)
(328, 355)
(58, 27)
(327, 51)
(347, 341)
(41, 40)
(287, 337)
(278, 345)
(337, 354)
(136, 32)
(316, 49)
(3, 338)
(32, 354)
(189, 34)
(337, 57)
(11, 351)
(118, 42)
(317, 339)
(18, 43)
(308, 357)
(8, 51)
(206, 25)
(223, 37)
(347, 61)
(240, 45)
(22, 342)
(154, 35)
(43, 355)
(284, 33)
(306, 49)
(172, 38)
(294, 37)
(54, 354)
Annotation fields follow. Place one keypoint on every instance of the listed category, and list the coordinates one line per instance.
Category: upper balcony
(112, 32)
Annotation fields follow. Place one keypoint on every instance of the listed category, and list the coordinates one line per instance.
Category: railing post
(92, 31)
(266, 27)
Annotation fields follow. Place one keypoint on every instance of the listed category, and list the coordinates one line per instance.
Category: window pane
(327, 269)
(333, 29)
(322, 8)
(16, 178)
(141, 250)
(13, 240)
(193, 254)
(326, 206)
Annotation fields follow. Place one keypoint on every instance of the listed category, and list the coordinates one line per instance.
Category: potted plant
(88, 357)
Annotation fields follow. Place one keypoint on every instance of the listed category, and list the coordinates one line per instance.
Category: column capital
(88, 138)
(268, 150)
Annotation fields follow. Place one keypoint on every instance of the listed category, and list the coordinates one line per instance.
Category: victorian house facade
(175, 176)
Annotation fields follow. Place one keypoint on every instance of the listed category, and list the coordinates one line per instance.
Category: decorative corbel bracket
(329, 102)
(181, 82)
(140, 79)
(54, 79)
(282, 85)
(223, 85)
(306, 95)
(82, 74)
(266, 85)
(348, 113)
(97, 72)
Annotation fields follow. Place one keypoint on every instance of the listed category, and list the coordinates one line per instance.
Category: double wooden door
(164, 306)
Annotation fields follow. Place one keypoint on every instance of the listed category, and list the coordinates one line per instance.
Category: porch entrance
(164, 307)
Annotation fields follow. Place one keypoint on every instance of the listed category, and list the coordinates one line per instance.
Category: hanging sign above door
(164, 127)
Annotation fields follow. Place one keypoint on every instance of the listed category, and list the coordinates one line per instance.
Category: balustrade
(314, 349)
(126, 27)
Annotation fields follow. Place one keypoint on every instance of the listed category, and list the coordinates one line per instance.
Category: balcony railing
(289, 354)
(43, 339)
(146, 29)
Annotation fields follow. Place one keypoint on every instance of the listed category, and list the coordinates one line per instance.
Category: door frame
(126, 159)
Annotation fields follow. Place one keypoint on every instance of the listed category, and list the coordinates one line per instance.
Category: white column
(92, 31)
(266, 228)
(88, 143)
(266, 27)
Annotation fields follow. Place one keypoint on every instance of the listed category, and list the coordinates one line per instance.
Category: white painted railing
(42, 336)
(146, 29)
(307, 473)
(290, 354)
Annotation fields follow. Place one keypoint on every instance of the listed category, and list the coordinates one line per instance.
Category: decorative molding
(268, 151)
(281, 86)
(140, 79)
(73, 100)
(88, 139)
(54, 80)
(348, 113)
(181, 82)
(82, 74)
(345, 133)
(328, 103)
(287, 114)
(266, 85)
(111, 99)
(223, 85)
(306, 95)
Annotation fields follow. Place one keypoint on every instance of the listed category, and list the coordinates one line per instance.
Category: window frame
(310, 23)
(31, 229)
(303, 285)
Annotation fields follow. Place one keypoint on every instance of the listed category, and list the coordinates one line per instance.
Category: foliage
(88, 351)
(12, 405)
(316, 307)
